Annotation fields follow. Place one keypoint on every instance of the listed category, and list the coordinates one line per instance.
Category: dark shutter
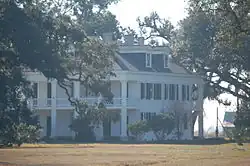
(142, 90)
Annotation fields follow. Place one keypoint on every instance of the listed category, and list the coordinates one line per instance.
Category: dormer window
(148, 60)
(165, 59)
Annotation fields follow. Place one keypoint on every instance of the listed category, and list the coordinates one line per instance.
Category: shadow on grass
(210, 141)
(8, 164)
(73, 144)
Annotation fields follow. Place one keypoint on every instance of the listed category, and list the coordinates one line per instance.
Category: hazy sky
(128, 10)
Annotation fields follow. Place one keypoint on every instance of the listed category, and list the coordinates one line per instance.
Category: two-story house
(147, 82)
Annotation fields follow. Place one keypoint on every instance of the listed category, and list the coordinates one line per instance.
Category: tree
(138, 129)
(213, 41)
(52, 37)
(162, 125)
(242, 122)
(89, 117)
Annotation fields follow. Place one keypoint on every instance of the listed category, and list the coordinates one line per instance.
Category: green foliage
(138, 129)
(26, 134)
(213, 41)
(162, 125)
(19, 132)
(52, 37)
(242, 122)
(88, 117)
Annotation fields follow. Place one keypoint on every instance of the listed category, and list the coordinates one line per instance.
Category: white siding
(116, 128)
(42, 90)
(42, 114)
(134, 90)
(63, 120)
(60, 92)
(116, 88)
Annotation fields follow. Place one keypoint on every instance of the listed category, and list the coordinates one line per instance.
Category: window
(185, 120)
(141, 115)
(188, 94)
(149, 91)
(157, 91)
(148, 60)
(127, 89)
(183, 92)
(142, 90)
(165, 59)
(166, 91)
(35, 89)
(177, 92)
(49, 90)
(147, 115)
(172, 92)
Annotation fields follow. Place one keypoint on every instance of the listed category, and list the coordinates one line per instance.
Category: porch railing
(64, 103)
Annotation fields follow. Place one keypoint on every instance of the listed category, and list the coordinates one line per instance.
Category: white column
(200, 107)
(53, 108)
(76, 93)
(124, 110)
(190, 109)
(77, 89)
(200, 121)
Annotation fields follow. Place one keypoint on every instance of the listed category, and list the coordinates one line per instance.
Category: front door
(48, 134)
(107, 128)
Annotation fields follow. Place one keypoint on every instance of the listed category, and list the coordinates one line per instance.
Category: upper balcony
(63, 103)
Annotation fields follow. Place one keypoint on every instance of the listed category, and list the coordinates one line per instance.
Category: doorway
(48, 134)
(107, 128)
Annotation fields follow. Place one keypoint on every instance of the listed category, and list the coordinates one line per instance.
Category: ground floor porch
(55, 124)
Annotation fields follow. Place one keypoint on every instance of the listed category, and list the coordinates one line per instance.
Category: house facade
(147, 82)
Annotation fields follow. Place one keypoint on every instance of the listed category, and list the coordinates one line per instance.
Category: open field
(125, 155)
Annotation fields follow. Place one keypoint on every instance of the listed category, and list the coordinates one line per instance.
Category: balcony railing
(41, 103)
(64, 103)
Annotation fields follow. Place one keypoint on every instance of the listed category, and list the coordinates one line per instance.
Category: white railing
(39, 102)
(63, 102)
(115, 102)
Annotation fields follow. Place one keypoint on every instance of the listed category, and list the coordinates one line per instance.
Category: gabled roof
(136, 62)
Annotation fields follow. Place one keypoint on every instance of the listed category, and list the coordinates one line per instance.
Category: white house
(147, 82)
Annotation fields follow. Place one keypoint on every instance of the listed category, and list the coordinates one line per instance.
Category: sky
(127, 11)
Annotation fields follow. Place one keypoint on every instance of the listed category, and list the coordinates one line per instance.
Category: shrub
(83, 130)
(138, 129)
(26, 134)
(162, 125)
(87, 117)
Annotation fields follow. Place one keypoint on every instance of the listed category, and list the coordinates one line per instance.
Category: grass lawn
(125, 155)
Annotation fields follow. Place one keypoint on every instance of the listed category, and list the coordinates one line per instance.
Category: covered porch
(55, 124)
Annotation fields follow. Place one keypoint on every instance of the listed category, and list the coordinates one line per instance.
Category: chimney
(107, 37)
(129, 40)
(141, 41)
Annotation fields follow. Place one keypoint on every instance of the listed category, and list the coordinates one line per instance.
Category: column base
(99, 138)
